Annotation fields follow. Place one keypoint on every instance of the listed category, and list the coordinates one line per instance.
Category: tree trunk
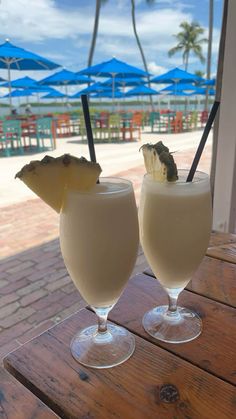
(186, 61)
(140, 47)
(211, 17)
(95, 31)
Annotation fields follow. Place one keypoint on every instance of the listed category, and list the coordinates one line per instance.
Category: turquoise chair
(11, 137)
(44, 132)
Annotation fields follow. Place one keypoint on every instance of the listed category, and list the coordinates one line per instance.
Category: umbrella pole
(66, 91)
(38, 100)
(9, 83)
(113, 90)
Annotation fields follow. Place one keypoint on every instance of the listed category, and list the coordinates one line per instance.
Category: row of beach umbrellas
(120, 75)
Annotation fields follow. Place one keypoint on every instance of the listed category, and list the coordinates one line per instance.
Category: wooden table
(193, 380)
(16, 402)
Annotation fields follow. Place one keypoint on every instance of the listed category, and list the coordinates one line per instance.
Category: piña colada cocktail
(99, 240)
(175, 224)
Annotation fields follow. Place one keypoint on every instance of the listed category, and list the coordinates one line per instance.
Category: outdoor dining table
(192, 380)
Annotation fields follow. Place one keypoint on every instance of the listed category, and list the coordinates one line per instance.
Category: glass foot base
(180, 328)
(102, 350)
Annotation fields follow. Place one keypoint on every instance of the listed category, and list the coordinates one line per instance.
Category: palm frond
(174, 50)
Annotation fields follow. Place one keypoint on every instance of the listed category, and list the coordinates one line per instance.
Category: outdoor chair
(82, 128)
(137, 122)
(203, 118)
(44, 132)
(177, 123)
(10, 137)
(114, 125)
(193, 120)
(154, 121)
(28, 132)
(63, 125)
(131, 123)
(74, 123)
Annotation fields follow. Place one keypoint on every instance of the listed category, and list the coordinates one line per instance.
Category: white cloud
(39, 20)
(156, 69)
(42, 21)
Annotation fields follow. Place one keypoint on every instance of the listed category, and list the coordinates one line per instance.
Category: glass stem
(102, 313)
(173, 294)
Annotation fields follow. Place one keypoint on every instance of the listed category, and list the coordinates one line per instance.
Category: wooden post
(224, 202)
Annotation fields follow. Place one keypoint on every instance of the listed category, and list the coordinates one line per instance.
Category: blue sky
(61, 30)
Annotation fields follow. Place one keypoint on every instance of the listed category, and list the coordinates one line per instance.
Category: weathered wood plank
(214, 279)
(217, 238)
(213, 351)
(16, 402)
(131, 390)
(226, 252)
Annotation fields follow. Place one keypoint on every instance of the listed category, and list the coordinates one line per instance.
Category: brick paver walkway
(35, 289)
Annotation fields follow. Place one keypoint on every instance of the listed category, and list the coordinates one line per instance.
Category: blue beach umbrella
(124, 82)
(203, 90)
(211, 82)
(109, 94)
(141, 91)
(94, 88)
(54, 95)
(114, 68)
(19, 93)
(28, 84)
(22, 83)
(65, 78)
(175, 76)
(16, 58)
(180, 87)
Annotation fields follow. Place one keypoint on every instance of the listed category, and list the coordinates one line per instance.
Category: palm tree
(188, 41)
(95, 31)
(138, 40)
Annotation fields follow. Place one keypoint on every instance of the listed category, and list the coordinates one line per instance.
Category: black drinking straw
(89, 131)
(203, 141)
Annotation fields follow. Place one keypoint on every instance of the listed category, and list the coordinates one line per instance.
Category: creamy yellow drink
(175, 226)
(99, 240)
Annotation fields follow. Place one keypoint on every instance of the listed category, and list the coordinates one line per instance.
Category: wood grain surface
(153, 383)
(213, 350)
(217, 238)
(214, 279)
(16, 402)
(226, 252)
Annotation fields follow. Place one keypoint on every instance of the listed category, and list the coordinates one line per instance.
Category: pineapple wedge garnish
(159, 162)
(51, 177)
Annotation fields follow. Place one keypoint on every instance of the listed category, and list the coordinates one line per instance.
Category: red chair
(204, 117)
(177, 123)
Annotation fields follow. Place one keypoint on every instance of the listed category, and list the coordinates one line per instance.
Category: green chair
(82, 128)
(155, 121)
(44, 132)
(193, 120)
(74, 122)
(114, 125)
(11, 136)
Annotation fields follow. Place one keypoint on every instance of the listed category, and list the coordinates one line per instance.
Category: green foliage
(189, 41)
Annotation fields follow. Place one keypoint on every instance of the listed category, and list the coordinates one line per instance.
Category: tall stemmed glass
(175, 221)
(99, 240)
